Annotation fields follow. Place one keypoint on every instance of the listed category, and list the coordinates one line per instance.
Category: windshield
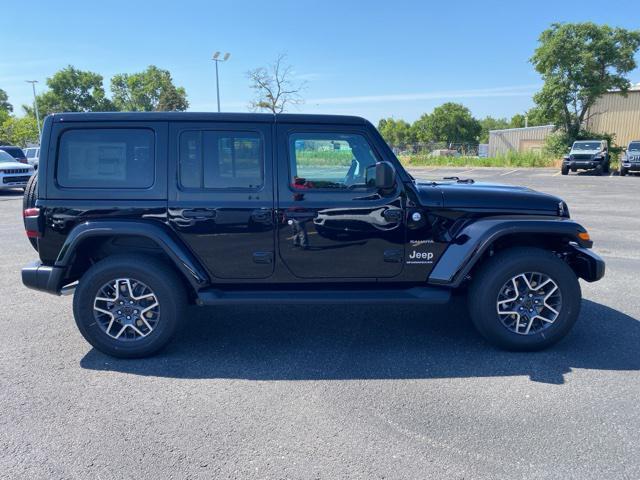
(5, 157)
(634, 146)
(586, 146)
(31, 152)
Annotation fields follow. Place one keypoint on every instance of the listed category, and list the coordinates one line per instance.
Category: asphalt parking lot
(333, 392)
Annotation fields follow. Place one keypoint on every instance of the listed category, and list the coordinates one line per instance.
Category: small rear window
(106, 158)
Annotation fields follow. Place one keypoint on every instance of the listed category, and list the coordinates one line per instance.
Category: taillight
(31, 216)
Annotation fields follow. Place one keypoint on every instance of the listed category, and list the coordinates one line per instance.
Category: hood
(13, 165)
(483, 196)
(585, 152)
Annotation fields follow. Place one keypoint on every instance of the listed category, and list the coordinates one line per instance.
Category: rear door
(221, 196)
(332, 221)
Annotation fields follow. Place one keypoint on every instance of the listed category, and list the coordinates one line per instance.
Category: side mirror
(385, 176)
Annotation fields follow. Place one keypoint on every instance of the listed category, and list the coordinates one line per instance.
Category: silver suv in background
(630, 161)
(587, 155)
(33, 156)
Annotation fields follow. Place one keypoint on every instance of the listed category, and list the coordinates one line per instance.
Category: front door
(221, 196)
(332, 221)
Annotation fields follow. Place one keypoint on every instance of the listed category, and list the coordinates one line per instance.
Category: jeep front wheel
(564, 170)
(129, 306)
(524, 299)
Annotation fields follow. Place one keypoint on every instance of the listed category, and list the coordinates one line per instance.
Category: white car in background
(13, 174)
(33, 156)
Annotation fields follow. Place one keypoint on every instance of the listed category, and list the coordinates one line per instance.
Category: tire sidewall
(93, 281)
(488, 322)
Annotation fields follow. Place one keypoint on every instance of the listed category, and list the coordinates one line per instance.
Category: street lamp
(216, 58)
(35, 104)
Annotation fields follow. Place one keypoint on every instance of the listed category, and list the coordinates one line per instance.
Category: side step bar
(424, 295)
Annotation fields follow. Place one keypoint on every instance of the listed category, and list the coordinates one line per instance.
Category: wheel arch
(94, 240)
(481, 239)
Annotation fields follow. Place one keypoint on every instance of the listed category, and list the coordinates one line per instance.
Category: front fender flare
(179, 254)
(474, 239)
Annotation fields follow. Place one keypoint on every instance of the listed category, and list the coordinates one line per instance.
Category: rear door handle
(198, 213)
(262, 216)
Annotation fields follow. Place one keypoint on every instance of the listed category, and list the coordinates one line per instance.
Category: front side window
(220, 160)
(106, 158)
(331, 161)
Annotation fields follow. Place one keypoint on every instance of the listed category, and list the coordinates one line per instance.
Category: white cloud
(512, 91)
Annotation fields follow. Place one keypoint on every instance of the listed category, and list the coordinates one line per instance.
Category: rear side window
(15, 152)
(106, 158)
(219, 160)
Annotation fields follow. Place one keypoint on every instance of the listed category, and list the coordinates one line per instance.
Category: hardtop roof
(207, 117)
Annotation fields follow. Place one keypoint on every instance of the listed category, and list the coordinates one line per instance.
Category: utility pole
(216, 58)
(35, 104)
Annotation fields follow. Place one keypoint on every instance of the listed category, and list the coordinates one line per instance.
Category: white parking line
(465, 172)
(509, 173)
(556, 174)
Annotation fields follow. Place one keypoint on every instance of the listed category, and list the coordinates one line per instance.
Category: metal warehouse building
(528, 139)
(614, 113)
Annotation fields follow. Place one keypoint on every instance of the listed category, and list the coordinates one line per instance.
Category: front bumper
(631, 166)
(587, 264)
(43, 277)
(581, 164)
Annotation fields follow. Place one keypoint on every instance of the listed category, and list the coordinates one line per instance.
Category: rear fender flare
(178, 253)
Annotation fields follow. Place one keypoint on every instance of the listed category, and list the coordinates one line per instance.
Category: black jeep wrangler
(142, 213)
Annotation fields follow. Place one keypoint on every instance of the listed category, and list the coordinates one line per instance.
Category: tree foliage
(579, 62)
(5, 106)
(489, 123)
(19, 131)
(274, 87)
(72, 90)
(450, 122)
(147, 91)
(396, 132)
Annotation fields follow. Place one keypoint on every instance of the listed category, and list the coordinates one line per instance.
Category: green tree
(72, 90)
(450, 123)
(397, 133)
(489, 123)
(533, 117)
(5, 107)
(579, 62)
(147, 91)
(19, 131)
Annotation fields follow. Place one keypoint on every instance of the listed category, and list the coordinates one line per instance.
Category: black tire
(496, 272)
(163, 281)
(598, 170)
(564, 170)
(607, 167)
(29, 201)
(623, 172)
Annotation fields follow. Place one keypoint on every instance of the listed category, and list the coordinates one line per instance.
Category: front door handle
(393, 215)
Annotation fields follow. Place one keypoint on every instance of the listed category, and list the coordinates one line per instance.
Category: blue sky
(371, 58)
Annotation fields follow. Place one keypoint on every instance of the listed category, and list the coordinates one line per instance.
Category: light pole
(216, 58)
(35, 104)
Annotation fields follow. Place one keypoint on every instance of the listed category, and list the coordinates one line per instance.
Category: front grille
(633, 158)
(20, 179)
(14, 171)
(582, 156)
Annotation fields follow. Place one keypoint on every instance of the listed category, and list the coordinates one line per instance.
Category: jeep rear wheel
(564, 170)
(29, 201)
(129, 306)
(524, 299)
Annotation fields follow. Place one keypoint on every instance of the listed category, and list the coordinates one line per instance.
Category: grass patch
(510, 159)
(325, 158)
